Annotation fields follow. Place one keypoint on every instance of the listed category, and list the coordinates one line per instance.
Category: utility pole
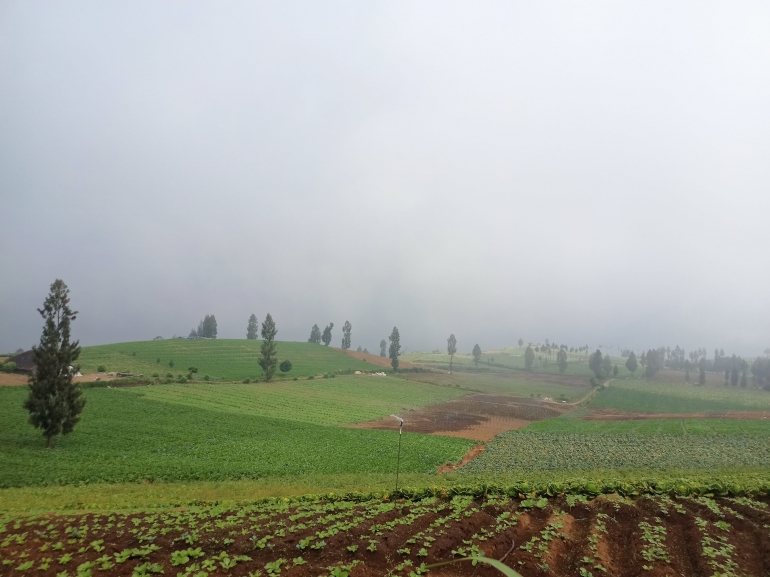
(400, 430)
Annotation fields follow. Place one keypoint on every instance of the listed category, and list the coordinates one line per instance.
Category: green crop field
(336, 401)
(517, 385)
(230, 359)
(567, 426)
(679, 398)
(515, 451)
(126, 437)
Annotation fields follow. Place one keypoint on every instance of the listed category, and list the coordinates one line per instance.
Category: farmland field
(652, 397)
(126, 437)
(227, 359)
(342, 400)
(525, 451)
(572, 534)
(653, 427)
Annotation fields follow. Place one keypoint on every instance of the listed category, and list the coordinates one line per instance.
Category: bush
(285, 366)
(171, 363)
(8, 367)
(310, 378)
(246, 381)
(182, 380)
(295, 378)
(155, 375)
(206, 378)
(101, 369)
(192, 370)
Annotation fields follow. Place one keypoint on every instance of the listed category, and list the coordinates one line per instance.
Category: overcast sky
(592, 173)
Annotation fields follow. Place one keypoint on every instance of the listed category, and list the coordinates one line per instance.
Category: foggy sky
(592, 173)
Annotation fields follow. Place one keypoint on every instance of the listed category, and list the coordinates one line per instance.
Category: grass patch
(342, 400)
(671, 398)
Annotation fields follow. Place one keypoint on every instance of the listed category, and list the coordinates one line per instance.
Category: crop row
(562, 535)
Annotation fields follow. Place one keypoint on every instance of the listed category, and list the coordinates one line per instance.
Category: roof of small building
(24, 361)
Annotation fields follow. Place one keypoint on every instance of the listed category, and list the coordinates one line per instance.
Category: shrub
(310, 378)
(189, 376)
(8, 367)
(246, 381)
(206, 378)
(182, 380)
(169, 376)
(285, 366)
(192, 370)
(101, 369)
(171, 363)
(155, 375)
(158, 361)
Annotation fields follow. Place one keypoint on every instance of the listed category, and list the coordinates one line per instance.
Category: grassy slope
(653, 427)
(341, 400)
(126, 437)
(671, 398)
(231, 359)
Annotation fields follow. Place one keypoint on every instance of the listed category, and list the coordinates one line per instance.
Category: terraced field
(568, 535)
(653, 426)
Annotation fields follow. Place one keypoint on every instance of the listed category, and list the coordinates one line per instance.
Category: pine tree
(54, 401)
(269, 356)
(596, 365)
(253, 328)
(451, 349)
(346, 329)
(315, 335)
(529, 358)
(383, 348)
(476, 354)
(561, 360)
(395, 347)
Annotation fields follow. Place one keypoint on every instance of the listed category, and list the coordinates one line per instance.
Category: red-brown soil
(467, 458)
(12, 379)
(618, 415)
(478, 417)
(376, 359)
(549, 538)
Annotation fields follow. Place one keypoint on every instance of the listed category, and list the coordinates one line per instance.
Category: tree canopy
(476, 354)
(327, 335)
(268, 353)
(253, 328)
(529, 358)
(395, 348)
(346, 329)
(315, 335)
(207, 328)
(383, 348)
(451, 349)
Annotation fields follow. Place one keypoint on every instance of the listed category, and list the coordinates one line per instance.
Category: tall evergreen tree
(476, 354)
(327, 336)
(702, 371)
(395, 348)
(631, 363)
(561, 360)
(315, 335)
(253, 328)
(268, 353)
(451, 349)
(595, 363)
(54, 401)
(521, 342)
(383, 348)
(346, 329)
(529, 358)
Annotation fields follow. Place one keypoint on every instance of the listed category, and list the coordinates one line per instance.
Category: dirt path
(467, 458)
(375, 359)
(589, 395)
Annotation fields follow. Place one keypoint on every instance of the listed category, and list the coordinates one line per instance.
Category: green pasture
(568, 426)
(228, 359)
(522, 451)
(126, 437)
(336, 401)
(517, 385)
(652, 397)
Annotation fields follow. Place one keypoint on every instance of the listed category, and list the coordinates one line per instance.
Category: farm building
(25, 362)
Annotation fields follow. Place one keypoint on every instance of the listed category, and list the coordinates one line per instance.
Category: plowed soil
(617, 415)
(565, 537)
(478, 417)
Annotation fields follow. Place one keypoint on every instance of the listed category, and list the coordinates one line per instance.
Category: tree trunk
(49, 443)
(450, 363)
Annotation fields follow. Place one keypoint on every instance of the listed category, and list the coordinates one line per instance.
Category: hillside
(226, 359)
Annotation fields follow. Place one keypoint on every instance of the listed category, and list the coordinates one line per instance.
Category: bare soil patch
(618, 415)
(376, 359)
(467, 458)
(12, 379)
(479, 417)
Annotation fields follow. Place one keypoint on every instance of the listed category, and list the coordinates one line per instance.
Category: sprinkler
(400, 429)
